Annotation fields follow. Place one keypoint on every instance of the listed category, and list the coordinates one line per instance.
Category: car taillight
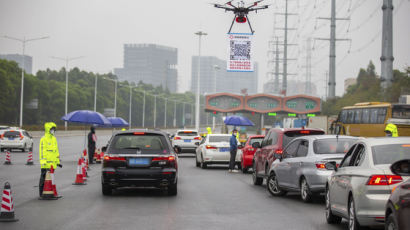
(320, 165)
(21, 137)
(304, 131)
(197, 138)
(384, 180)
(170, 158)
(177, 138)
(2, 136)
(279, 151)
(113, 158)
(210, 147)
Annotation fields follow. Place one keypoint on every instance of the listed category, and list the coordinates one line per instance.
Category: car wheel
(203, 164)
(353, 224)
(106, 190)
(330, 218)
(197, 163)
(305, 192)
(391, 223)
(24, 148)
(256, 180)
(244, 169)
(172, 189)
(273, 187)
(31, 148)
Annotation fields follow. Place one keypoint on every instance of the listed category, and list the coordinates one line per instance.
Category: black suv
(140, 158)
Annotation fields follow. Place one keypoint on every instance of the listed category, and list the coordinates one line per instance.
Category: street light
(155, 110)
(115, 94)
(216, 67)
(143, 112)
(200, 34)
(95, 93)
(23, 41)
(66, 59)
(165, 113)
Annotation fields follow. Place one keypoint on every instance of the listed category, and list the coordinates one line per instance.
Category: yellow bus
(369, 119)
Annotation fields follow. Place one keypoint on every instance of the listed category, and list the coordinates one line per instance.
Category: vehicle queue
(352, 174)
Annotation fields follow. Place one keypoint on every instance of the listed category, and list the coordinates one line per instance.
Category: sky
(97, 30)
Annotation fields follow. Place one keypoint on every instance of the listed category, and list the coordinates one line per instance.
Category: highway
(207, 199)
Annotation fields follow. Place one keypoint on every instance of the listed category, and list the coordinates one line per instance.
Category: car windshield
(219, 138)
(388, 154)
(144, 144)
(12, 134)
(187, 133)
(254, 140)
(332, 145)
(290, 135)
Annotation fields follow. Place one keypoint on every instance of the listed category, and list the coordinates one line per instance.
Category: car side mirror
(104, 149)
(256, 145)
(401, 168)
(197, 143)
(331, 165)
(177, 149)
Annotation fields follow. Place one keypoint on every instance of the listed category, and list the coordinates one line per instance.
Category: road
(207, 199)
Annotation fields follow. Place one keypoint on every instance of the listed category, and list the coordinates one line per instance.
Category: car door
(296, 163)
(260, 158)
(200, 148)
(283, 169)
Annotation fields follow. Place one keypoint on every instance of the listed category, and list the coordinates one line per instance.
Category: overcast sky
(97, 29)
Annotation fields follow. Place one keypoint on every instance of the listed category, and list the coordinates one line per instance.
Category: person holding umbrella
(92, 140)
(233, 143)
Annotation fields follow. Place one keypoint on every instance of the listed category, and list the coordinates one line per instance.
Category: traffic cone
(98, 156)
(48, 193)
(8, 158)
(30, 159)
(83, 169)
(7, 206)
(53, 183)
(79, 177)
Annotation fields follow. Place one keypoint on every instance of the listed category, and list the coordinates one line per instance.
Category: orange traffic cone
(98, 156)
(48, 193)
(79, 178)
(53, 183)
(7, 206)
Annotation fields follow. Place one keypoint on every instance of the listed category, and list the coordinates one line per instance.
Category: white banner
(240, 53)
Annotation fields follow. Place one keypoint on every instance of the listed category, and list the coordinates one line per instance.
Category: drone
(241, 12)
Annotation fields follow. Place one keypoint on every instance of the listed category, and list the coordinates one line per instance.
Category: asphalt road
(207, 199)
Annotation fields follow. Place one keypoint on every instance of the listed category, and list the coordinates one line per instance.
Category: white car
(16, 139)
(186, 140)
(214, 149)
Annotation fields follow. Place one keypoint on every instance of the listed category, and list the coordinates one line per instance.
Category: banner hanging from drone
(240, 47)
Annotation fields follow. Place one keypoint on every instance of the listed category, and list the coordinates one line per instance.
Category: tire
(256, 180)
(172, 190)
(244, 170)
(305, 192)
(203, 164)
(352, 220)
(31, 148)
(106, 190)
(391, 223)
(330, 218)
(196, 162)
(273, 187)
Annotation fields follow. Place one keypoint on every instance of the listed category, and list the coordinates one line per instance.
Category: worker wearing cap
(48, 152)
(391, 130)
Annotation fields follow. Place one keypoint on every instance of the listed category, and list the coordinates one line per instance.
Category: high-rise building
(28, 61)
(150, 63)
(215, 78)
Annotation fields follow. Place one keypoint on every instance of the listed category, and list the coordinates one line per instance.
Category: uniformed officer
(391, 130)
(48, 153)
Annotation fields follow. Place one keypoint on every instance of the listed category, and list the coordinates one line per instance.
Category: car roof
(189, 130)
(256, 136)
(317, 137)
(293, 129)
(132, 131)
(373, 141)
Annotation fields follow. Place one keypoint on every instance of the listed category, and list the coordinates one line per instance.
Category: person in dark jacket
(92, 140)
(233, 143)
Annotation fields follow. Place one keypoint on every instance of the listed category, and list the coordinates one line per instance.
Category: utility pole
(276, 82)
(165, 113)
(130, 106)
(200, 34)
(332, 49)
(175, 113)
(155, 111)
(66, 60)
(95, 94)
(308, 82)
(326, 83)
(387, 44)
(23, 42)
(183, 114)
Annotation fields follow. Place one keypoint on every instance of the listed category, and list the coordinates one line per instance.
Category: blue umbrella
(86, 117)
(117, 122)
(238, 121)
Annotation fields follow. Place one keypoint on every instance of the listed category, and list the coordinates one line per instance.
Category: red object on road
(7, 206)
(8, 158)
(53, 183)
(79, 180)
(248, 151)
(30, 159)
(48, 191)
(83, 169)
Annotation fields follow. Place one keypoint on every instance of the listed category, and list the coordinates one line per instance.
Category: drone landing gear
(247, 19)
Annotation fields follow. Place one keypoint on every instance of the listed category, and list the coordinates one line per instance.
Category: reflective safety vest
(393, 129)
(48, 150)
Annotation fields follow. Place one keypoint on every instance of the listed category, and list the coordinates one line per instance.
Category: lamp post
(67, 60)
(23, 41)
(130, 106)
(115, 95)
(95, 94)
(197, 122)
(155, 110)
(165, 113)
(216, 67)
(175, 114)
(143, 111)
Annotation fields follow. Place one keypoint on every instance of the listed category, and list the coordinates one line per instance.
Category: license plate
(224, 149)
(11, 138)
(139, 161)
(187, 140)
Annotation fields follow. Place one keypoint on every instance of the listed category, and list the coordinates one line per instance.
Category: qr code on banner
(240, 50)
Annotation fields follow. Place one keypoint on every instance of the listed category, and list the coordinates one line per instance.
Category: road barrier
(7, 206)
(30, 158)
(79, 180)
(8, 158)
